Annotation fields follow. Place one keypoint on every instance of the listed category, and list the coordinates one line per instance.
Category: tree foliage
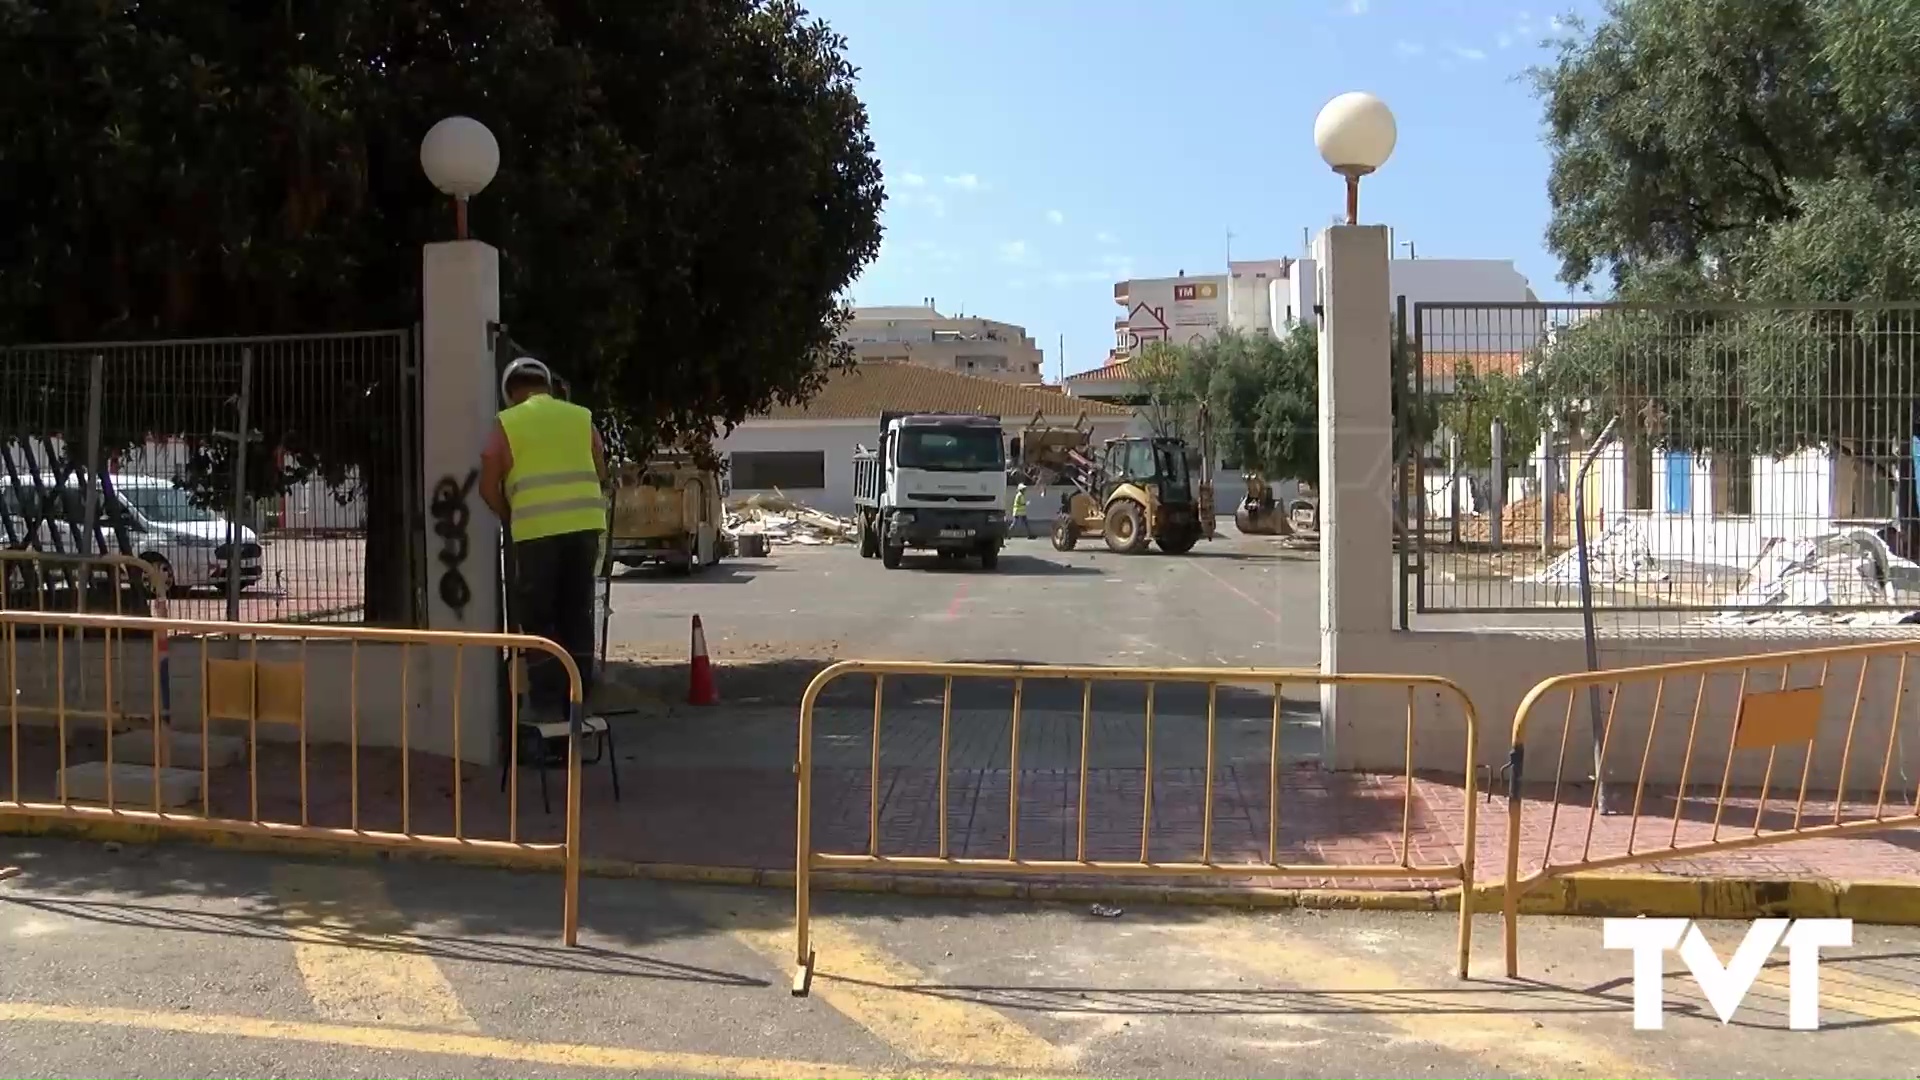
(1263, 394)
(686, 189)
(1480, 398)
(1708, 153)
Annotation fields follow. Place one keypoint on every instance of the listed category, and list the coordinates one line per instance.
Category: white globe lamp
(461, 157)
(1355, 133)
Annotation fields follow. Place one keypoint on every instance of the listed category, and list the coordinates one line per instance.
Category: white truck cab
(936, 482)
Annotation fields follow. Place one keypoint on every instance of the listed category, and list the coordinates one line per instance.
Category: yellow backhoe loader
(1138, 489)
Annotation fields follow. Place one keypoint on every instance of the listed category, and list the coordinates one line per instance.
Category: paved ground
(172, 961)
(1234, 601)
(715, 786)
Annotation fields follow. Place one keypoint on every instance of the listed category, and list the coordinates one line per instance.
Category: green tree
(1757, 151)
(1478, 399)
(1262, 393)
(687, 188)
(1171, 388)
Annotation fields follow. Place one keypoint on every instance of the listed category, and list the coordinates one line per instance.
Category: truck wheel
(989, 558)
(1126, 531)
(869, 537)
(890, 554)
(1179, 542)
(1065, 534)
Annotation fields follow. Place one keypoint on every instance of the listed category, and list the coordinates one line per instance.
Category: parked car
(188, 543)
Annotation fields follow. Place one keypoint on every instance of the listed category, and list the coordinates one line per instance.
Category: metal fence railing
(301, 733)
(1269, 846)
(273, 479)
(1723, 463)
(1702, 757)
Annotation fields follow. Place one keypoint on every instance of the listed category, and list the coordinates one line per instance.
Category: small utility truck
(937, 482)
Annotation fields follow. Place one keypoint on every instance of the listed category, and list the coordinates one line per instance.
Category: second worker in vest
(543, 472)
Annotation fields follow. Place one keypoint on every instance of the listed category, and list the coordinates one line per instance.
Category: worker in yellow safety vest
(1020, 513)
(543, 472)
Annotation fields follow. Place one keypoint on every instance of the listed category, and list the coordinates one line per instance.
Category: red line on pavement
(959, 594)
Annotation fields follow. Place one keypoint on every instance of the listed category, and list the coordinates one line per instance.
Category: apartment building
(967, 345)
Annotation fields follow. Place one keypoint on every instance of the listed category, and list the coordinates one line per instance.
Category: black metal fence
(273, 478)
(1736, 463)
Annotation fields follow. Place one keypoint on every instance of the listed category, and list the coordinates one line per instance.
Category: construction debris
(783, 520)
(1619, 554)
(1520, 522)
(1848, 568)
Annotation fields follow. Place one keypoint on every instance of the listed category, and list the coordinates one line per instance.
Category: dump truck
(936, 482)
(667, 511)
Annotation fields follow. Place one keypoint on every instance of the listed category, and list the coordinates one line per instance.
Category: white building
(1271, 295)
(921, 335)
(806, 451)
(1724, 512)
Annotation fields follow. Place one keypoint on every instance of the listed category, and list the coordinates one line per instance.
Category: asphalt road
(173, 961)
(774, 623)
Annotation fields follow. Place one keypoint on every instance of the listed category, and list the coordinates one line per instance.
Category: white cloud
(1357, 7)
(926, 200)
(1473, 55)
(912, 179)
(1013, 251)
(1409, 48)
(1106, 237)
(1505, 41)
(1556, 24)
(964, 181)
(1055, 217)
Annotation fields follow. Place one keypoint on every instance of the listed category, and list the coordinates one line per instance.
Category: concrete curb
(1886, 902)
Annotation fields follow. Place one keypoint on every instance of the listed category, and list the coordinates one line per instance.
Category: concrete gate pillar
(460, 291)
(1356, 467)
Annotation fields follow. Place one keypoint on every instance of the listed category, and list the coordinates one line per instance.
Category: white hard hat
(525, 366)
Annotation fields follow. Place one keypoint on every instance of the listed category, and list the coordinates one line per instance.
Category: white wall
(1793, 498)
(1438, 281)
(1250, 293)
(836, 440)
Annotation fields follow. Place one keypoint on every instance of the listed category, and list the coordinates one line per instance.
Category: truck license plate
(955, 534)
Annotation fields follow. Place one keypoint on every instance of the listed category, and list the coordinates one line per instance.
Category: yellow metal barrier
(51, 572)
(807, 860)
(245, 690)
(1708, 716)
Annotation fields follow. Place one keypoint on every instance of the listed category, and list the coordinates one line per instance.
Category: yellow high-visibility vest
(553, 487)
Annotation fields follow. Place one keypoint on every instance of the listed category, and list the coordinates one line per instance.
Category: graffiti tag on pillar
(450, 517)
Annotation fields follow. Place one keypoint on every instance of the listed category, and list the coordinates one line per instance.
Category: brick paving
(743, 815)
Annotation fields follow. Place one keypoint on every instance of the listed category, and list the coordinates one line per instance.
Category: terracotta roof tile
(1442, 365)
(865, 391)
(1113, 371)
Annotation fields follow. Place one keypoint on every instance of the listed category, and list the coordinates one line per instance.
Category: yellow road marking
(357, 964)
(564, 1055)
(1846, 990)
(1505, 1039)
(878, 991)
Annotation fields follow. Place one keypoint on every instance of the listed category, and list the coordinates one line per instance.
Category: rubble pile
(783, 520)
(1849, 568)
(1619, 554)
(1519, 522)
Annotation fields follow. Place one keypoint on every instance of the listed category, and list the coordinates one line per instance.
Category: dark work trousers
(553, 598)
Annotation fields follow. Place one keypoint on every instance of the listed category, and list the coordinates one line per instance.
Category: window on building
(1733, 484)
(760, 470)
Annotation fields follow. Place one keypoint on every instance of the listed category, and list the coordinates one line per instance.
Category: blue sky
(1037, 152)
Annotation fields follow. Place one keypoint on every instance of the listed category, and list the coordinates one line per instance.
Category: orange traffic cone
(700, 688)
